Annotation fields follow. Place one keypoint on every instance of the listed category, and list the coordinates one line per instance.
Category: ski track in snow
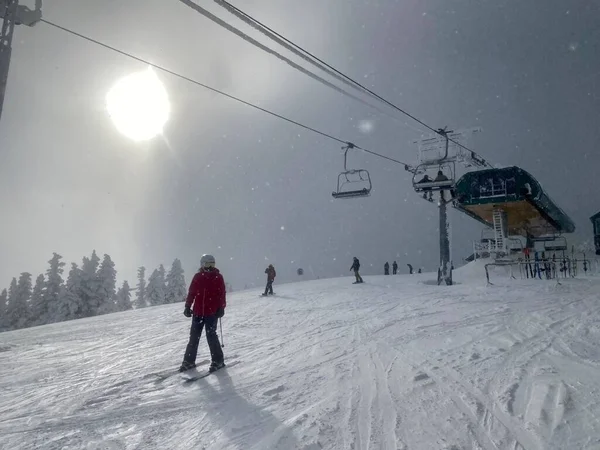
(396, 363)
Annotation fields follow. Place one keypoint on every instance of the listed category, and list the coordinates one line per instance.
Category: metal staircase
(500, 233)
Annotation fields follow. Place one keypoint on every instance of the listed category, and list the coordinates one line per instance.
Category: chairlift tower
(438, 155)
(13, 14)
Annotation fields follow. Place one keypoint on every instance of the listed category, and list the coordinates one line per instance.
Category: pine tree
(12, 292)
(3, 306)
(156, 289)
(176, 290)
(161, 281)
(90, 285)
(124, 298)
(18, 309)
(140, 298)
(161, 272)
(12, 298)
(107, 283)
(54, 285)
(38, 303)
(70, 305)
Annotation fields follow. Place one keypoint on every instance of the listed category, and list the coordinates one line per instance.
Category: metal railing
(493, 189)
(518, 263)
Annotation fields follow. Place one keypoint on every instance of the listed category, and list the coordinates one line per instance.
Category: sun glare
(138, 105)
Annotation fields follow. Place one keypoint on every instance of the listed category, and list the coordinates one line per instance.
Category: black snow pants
(269, 287)
(198, 323)
(358, 277)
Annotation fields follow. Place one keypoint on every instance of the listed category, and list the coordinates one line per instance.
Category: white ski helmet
(207, 261)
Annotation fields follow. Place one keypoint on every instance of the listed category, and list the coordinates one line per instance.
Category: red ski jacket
(207, 293)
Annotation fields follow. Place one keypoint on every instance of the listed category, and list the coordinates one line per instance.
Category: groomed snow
(395, 363)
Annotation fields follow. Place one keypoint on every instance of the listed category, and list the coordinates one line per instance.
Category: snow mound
(394, 363)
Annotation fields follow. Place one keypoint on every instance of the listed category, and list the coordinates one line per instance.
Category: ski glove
(187, 312)
(220, 312)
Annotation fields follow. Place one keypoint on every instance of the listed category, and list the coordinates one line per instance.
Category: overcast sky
(252, 190)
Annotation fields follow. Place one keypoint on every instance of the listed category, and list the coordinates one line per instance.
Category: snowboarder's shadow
(285, 297)
(241, 420)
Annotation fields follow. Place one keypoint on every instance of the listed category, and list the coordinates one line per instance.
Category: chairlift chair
(558, 244)
(444, 179)
(349, 176)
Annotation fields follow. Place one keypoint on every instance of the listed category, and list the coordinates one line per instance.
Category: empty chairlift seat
(556, 244)
(352, 183)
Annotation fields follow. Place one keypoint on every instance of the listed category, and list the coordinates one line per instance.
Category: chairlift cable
(239, 12)
(285, 43)
(217, 91)
(272, 52)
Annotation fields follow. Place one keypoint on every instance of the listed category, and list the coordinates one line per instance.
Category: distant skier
(394, 267)
(410, 269)
(420, 271)
(356, 266)
(386, 268)
(270, 271)
(206, 305)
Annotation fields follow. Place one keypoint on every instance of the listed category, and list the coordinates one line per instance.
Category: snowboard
(268, 295)
(191, 375)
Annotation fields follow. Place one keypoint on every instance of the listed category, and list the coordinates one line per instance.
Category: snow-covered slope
(395, 363)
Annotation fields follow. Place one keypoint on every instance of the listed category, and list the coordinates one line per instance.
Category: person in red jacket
(206, 303)
(270, 271)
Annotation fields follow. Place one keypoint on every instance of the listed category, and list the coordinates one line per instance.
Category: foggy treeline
(89, 290)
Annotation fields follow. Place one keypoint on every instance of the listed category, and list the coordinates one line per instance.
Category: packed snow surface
(395, 363)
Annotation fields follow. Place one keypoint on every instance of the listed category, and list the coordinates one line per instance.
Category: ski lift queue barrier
(510, 264)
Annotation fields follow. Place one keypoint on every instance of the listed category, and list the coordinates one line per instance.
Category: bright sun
(138, 105)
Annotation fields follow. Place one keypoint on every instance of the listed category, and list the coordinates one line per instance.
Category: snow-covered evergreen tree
(176, 290)
(156, 289)
(162, 275)
(37, 306)
(54, 285)
(140, 298)
(3, 319)
(90, 285)
(107, 283)
(124, 297)
(70, 304)
(18, 309)
(12, 292)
